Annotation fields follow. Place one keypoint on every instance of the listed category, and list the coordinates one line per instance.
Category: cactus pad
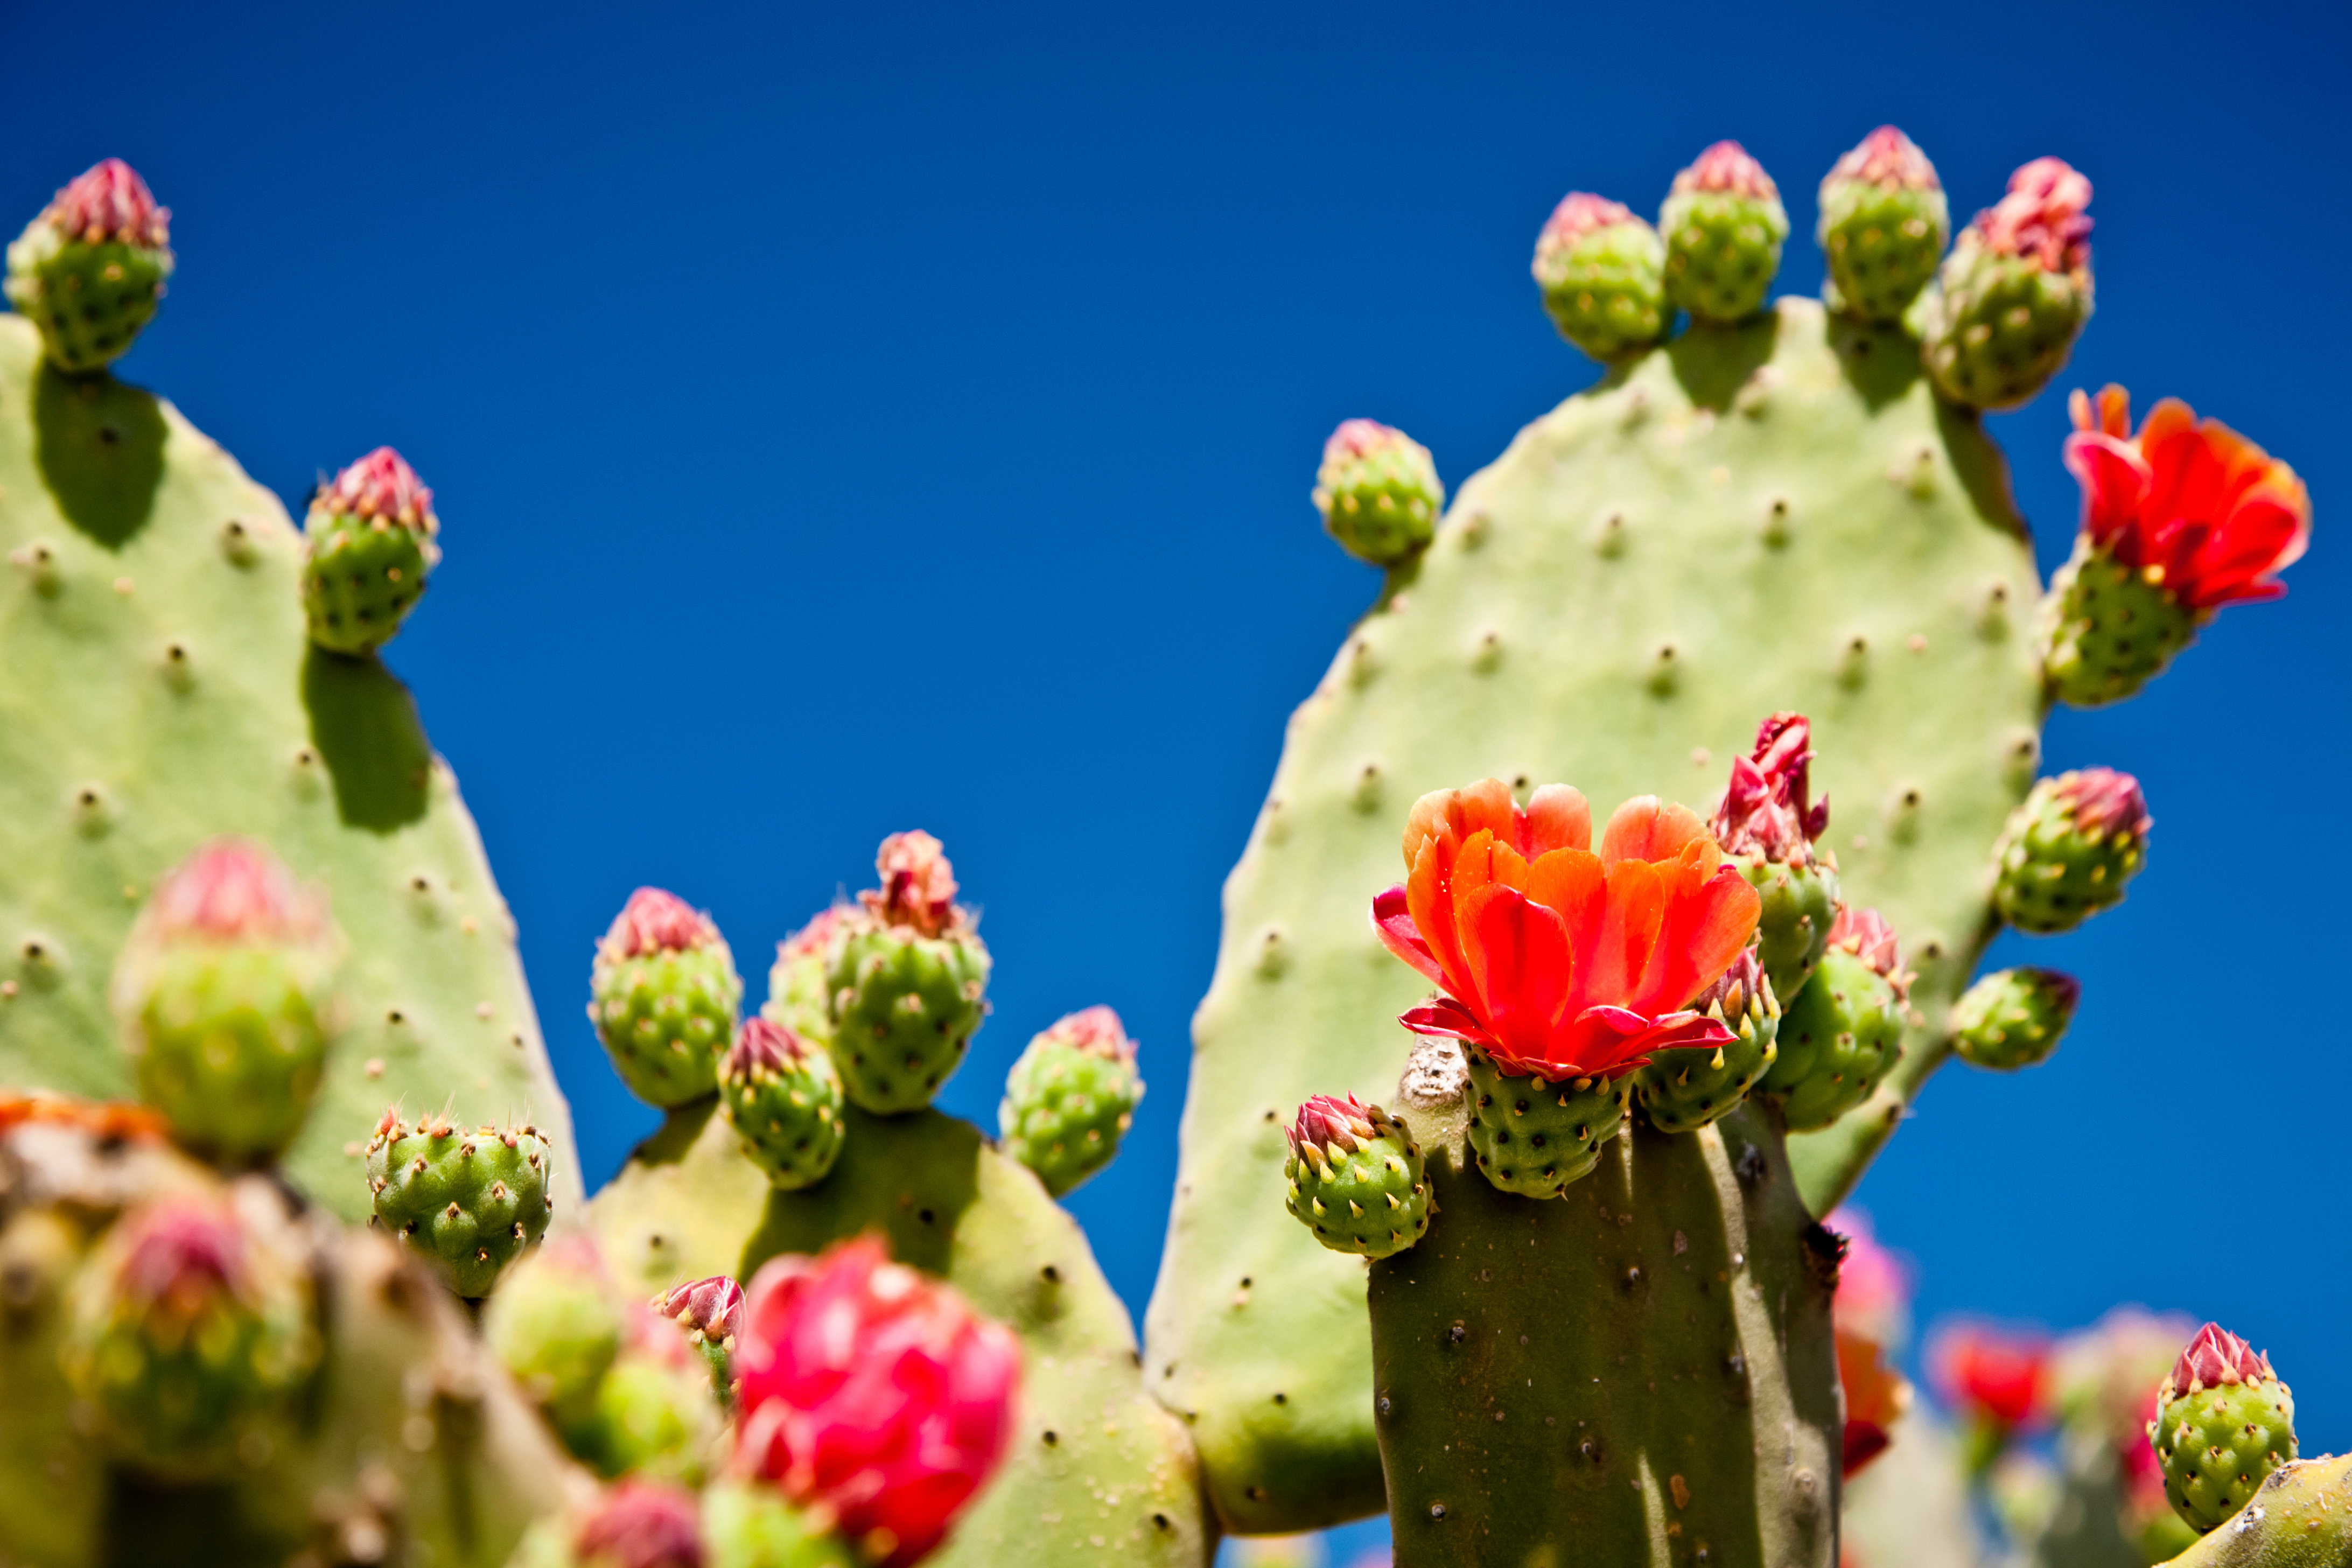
(1070, 1097)
(467, 1201)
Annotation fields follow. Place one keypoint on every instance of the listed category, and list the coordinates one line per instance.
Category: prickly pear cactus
(163, 691)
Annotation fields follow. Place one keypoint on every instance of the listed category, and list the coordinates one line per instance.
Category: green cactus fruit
(1378, 493)
(469, 1203)
(634, 1524)
(1792, 923)
(89, 272)
(1355, 1177)
(2223, 1423)
(2178, 521)
(2069, 848)
(1602, 271)
(1532, 1136)
(1767, 822)
(1684, 1090)
(192, 1331)
(909, 973)
(556, 1324)
(800, 987)
(710, 1312)
(664, 994)
(656, 1415)
(224, 994)
(1883, 228)
(748, 1524)
(1844, 1031)
(1723, 224)
(1070, 1099)
(2014, 293)
(2012, 1018)
(367, 547)
(784, 1097)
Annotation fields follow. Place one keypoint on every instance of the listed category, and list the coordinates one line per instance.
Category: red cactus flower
(873, 1394)
(2190, 504)
(641, 1524)
(1098, 1032)
(712, 1307)
(1765, 809)
(107, 202)
(2216, 1356)
(118, 1119)
(1561, 962)
(1727, 167)
(1886, 157)
(381, 484)
(655, 922)
(2000, 1378)
(919, 885)
(234, 891)
(2042, 218)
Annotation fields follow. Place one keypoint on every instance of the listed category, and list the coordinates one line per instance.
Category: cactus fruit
(1844, 1031)
(664, 997)
(1378, 493)
(2012, 1018)
(368, 546)
(225, 993)
(2223, 1423)
(800, 990)
(1767, 823)
(1355, 1177)
(2069, 848)
(747, 1524)
(467, 1200)
(1882, 227)
(1071, 1098)
(1682, 1092)
(783, 1096)
(192, 1332)
(2184, 518)
(908, 971)
(1723, 224)
(656, 1413)
(89, 272)
(1602, 271)
(873, 1394)
(556, 1324)
(2014, 293)
(710, 1311)
(633, 1524)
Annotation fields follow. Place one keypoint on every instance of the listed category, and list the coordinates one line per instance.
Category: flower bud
(368, 545)
(89, 272)
(1378, 493)
(1723, 226)
(1602, 271)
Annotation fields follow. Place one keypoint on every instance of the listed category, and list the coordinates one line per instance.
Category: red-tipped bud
(1743, 980)
(236, 892)
(1096, 1031)
(813, 939)
(1888, 158)
(2214, 1357)
(763, 1048)
(712, 1307)
(2042, 218)
(641, 1524)
(1865, 934)
(1327, 1121)
(110, 202)
(183, 1255)
(1579, 214)
(2104, 803)
(1726, 168)
(380, 484)
(655, 922)
(1765, 809)
(919, 885)
(873, 1392)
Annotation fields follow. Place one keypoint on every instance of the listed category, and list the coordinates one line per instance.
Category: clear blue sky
(849, 418)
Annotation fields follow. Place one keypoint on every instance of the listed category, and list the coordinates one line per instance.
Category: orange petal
(1704, 928)
(1611, 956)
(1645, 829)
(1572, 881)
(1519, 962)
(1459, 813)
(1558, 818)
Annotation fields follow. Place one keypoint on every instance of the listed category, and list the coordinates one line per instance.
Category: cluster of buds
(1766, 808)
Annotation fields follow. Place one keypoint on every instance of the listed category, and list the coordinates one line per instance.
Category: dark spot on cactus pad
(1751, 1169)
(1051, 1437)
(364, 725)
(1437, 1511)
(1161, 1521)
(1455, 1334)
(99, 446)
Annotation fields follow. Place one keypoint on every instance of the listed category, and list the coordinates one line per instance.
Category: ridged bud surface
(2223, 1423)
(368, 546)
(2069, 848)
(556, 1325)
(1378, 491)
(909, 973)
(1882, 227)
(1723, 226)
(1602, 271)
(2014, 293)
(784, 1097)
(1070, 1097)
(1355, 1177)
(664, 994)
(89, 272)
(1844, 1030)
(2013, 1018)
(1682, 1092)
(467, 1200)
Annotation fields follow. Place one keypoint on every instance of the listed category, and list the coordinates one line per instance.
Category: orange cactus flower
(2190, 503)
(1559, 962)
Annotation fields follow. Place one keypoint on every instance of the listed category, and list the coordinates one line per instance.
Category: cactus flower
(654, 921)
(640, 1524)
(2044, 217)
(712, 1309)
(381, 484)
(2190, 505)
(874, 1394)
(1765, 809)
(1867, 1313)
(2001, 1382)
(2215, 1357)
(1561, 962)
(919, 885)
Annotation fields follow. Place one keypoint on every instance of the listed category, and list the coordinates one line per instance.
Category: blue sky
(852, 419)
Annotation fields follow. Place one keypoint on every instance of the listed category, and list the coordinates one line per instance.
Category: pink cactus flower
(655, 922)
(2215, 1357)
(712, 1309)
(1727, 168)
(2190, 504)
(2042, 218)
(919, 885)
(1765, 809)
(381, 484)
(1873, 1291)
(874, 1394)
(641, 1524)
(1886, 157)
(107, 202)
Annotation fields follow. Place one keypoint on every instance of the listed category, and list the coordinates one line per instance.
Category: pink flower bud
(1887, 157)
(1325, 1122)
(380, 484)
(2214, 1357)
(919, 885)
(233, 891)
(763, 1048)
(655, 922)
(110, 202)
(873, 1394)
(641, 1524)
(2105, 802)
(1765, 810)
(2042, 218)
(813, 939)
(1579, 214)
(1743, 980)
(1098, 1032)
(183, 1253)
(1865, 934)
(712, 1307)
(1727, 168)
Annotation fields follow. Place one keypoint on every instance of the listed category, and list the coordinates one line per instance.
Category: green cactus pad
(786, 1106)
(1605, 287)
(1378, 493)
(467, 1201)
(2012, 1018)
(1066, 1108)
(1792, 928)
(2108, 630)
(1370, 1201)
(747, 1524)
(655, 1416)
(665, 1017)
(360, 576)
(905, 1007)
(2054, 874)
(556, 1324)
(1996, 328)
(1682, 1092)
(1881, 243)
(230, 1046)
(2218, 1445)
(88, 300)
(1842, 1035)
(1533, 1137)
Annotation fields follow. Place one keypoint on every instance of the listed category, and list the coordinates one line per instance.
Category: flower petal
(2114, 480)
(1442, 1016)
(1558, 818)
(1644, 829)
(1394, 922)
(1519, 958)
(1705, 927)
